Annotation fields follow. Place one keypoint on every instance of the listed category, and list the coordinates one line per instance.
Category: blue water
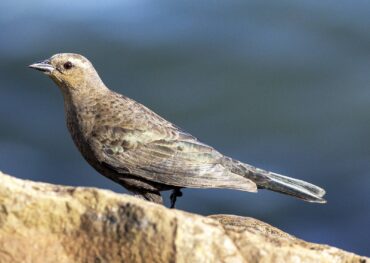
(282, 85)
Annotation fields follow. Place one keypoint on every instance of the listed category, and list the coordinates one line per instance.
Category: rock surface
(49, 223)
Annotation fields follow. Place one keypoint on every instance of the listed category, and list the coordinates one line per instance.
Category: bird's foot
(175, 193)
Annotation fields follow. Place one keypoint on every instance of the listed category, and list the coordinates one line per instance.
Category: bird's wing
(167, 156)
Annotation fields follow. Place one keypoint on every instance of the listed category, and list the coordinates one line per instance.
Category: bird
(135, 147)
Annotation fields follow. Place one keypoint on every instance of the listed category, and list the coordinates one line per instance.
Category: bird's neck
(82, 98)
(80, 108)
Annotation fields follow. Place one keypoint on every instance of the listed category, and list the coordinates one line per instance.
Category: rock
(49, 223)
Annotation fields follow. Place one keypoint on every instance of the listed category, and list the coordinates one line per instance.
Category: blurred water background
(284, 85)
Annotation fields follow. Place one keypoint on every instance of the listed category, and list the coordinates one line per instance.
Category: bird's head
(70, 72)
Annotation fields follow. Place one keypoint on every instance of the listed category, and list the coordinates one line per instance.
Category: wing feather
(152, 148)
(183, 163)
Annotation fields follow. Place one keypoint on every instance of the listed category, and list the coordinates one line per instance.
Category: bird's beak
(44, 66)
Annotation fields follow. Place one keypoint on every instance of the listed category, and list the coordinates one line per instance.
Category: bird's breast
(80, 123)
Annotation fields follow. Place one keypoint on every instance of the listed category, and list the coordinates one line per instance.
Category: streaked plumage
(143, 152)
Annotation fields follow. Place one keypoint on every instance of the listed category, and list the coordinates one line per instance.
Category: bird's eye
(68, 65)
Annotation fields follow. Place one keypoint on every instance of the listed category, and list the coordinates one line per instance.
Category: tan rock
(48, 223)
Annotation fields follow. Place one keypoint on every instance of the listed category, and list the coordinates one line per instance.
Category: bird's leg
(175, 193)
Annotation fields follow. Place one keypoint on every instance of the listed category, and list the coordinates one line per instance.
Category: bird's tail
(280, 183)
(294, 187)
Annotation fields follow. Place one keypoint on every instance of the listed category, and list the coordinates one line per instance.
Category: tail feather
(277, 182)
(294, 187)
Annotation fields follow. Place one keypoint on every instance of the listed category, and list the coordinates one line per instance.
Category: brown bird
(133, 146)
